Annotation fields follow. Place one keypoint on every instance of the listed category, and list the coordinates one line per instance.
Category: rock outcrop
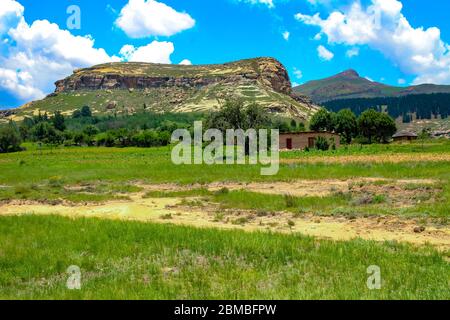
(266, 71)
(129, 87)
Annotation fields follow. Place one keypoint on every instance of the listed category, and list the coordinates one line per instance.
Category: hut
(303, 140)
(404, 136)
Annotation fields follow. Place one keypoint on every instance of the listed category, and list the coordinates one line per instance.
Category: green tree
(45, 132)
(9, 139)
(322, 120)
(257, 117)
(86, 112)
(386, 128)
(58, 121)
(235, 115)
(91, 130)
(345, 123)
(376, 126)
(367, 124)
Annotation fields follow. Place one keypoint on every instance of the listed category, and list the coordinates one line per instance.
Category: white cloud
(401, 81)
(370, 79)
(268, 3)
(383, 27)
(353, 52)
(298, 73)
(324, 53)
(286, 35)
(145, 18)
(155, 52)
(33, 57)
(186, 62)
(11, 13)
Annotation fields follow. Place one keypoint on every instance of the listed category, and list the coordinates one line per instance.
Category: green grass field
(135, 260)
(125, 260)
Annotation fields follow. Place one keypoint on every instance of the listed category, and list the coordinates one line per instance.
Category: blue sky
(398, 42)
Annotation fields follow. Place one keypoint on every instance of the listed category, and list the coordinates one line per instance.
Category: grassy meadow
(136, 260)
(126, 260)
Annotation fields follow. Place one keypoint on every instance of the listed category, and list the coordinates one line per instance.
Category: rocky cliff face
(264, 71)
(127, 88)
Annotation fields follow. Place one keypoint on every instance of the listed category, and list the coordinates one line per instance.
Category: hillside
(349, 84)
(127, 88)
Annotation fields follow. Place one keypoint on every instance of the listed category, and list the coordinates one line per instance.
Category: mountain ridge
(130, 87)
(349, 84)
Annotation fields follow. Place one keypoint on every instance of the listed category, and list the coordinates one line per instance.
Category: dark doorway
(289, 143)
(311, 142)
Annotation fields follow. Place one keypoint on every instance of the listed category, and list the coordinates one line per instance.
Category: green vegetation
(417, 106)
(49, 174)
(10, 139)
(128, 260)
(144, 129)
(371, 126)
(132, 260)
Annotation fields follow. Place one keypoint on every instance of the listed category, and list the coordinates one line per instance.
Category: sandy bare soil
(302, 188)
(174, 210)
(392, 158)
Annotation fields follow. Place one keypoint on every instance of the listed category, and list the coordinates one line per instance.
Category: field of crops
(139, 226)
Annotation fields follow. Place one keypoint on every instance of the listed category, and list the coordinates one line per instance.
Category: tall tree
(345, 123)
(321, 121)
(59, 121)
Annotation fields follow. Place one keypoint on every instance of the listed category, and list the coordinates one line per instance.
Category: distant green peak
(350, 73)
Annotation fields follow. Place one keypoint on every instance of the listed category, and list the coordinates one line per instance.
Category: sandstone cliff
(130, 87)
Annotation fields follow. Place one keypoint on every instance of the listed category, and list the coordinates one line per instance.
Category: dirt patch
(402, 192)
(384, 158)
(173, 210)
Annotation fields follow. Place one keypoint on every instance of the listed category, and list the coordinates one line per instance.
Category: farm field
(141, 227)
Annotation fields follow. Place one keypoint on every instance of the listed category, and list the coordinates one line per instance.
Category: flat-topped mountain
(127, 88)
(349, 84)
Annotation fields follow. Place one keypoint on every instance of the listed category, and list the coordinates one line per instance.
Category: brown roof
(404, 134)
(310, 132)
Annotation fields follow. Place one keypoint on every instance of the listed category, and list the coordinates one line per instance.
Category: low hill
(349, 84)
(128, 88)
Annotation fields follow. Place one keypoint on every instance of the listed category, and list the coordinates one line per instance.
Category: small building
(303, 140)
(404, 136)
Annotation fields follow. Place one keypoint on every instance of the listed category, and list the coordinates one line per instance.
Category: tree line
(371, 126)
(82, 128)
(423, 106)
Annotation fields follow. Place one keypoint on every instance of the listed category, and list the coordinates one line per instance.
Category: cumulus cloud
(11, 13)
(145, 18)
(186, 62)
(353, 52)
(324, 53)
(155, 52)
(33, 56)
(286, 35)
(383, 27)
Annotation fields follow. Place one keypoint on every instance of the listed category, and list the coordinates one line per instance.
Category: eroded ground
(383, 158)
(205, 212)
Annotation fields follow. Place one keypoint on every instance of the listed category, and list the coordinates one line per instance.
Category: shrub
(322, 144)
(9, 140)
